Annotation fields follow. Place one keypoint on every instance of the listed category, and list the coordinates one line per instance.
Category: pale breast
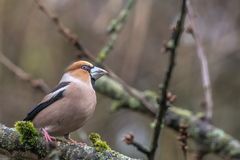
(69, 113)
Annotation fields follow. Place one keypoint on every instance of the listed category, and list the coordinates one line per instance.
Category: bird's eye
(87, 68)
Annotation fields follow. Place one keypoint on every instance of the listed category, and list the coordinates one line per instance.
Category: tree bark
(11, 147)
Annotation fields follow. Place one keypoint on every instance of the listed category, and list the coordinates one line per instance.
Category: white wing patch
(57, 91)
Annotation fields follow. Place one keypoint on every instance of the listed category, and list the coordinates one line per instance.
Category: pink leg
(47, 137)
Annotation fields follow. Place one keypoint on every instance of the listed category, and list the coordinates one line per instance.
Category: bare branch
(21, 74)
(208, 102)
(129, 140)
(66, 32)
(163, 106)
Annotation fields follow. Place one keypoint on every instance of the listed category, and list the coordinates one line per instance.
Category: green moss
(98, 143)
(181, 112)
(28, 133)
(133, 103)
(200, 115)
(102, 55)
(151, 95)
(30, 138)
(116, 105)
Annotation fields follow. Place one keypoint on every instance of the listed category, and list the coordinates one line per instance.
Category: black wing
(57, 94)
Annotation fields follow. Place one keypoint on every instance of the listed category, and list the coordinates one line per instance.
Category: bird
(70, 104)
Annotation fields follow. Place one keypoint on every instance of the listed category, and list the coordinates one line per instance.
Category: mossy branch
(213, 139)
(25, 142)
(98, 143)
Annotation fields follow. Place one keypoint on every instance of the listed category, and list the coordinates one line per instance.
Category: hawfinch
(67, 107)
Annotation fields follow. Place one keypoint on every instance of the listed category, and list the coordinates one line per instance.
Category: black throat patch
(93, 82)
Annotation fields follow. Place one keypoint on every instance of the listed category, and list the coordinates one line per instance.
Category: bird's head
(85, 71)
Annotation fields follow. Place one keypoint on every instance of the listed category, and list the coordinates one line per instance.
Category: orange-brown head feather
(76, 70)
(78, 65)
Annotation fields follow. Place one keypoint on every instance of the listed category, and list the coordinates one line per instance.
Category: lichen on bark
(214, 140)
(13, 147)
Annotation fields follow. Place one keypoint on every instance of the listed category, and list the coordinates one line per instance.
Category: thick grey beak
(97, 72)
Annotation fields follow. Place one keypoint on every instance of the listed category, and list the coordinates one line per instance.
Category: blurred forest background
(31, 41)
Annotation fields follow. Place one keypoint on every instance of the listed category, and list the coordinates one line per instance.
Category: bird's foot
(72, 141)
(47, 137)
(76, 142)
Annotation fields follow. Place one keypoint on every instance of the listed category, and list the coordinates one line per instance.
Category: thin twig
(21, 74)
(115, 27)
(163, 106)
(66, 32)
(129, 140)
(183, 137)
(73, 39)
(204, 65)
